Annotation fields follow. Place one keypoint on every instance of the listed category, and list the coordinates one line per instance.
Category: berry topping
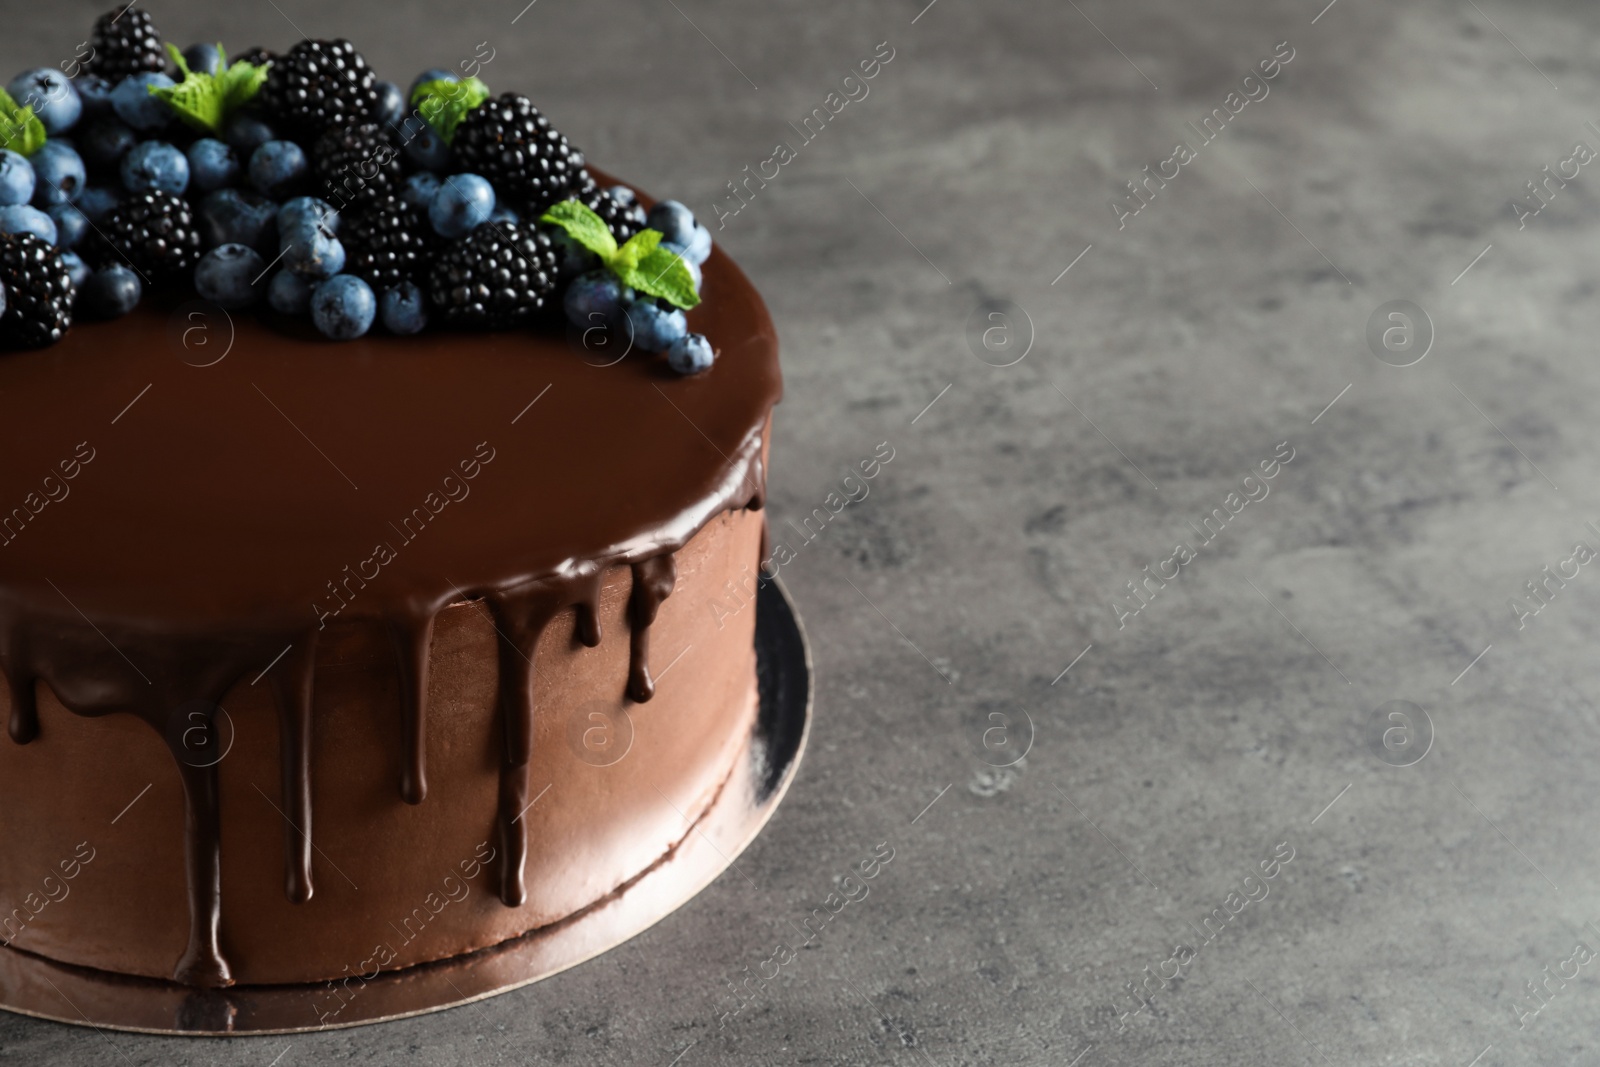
(38, 288)
(495, 277)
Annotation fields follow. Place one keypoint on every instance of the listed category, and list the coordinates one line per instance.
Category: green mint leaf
(630, 255)
(197, 100)
(444, 103)
(177, 58)
(20, 130)
(240, 83)
(585, 227)
(662, 272)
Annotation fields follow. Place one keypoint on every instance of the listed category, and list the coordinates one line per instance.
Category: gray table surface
(1244, 709)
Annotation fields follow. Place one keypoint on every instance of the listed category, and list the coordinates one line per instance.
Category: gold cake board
(45, 989)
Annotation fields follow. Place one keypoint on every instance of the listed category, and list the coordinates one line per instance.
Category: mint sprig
(20, 130)
(205, 100)
(641, 264)
(443, 103)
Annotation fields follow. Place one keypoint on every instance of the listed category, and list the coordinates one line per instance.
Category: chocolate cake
(332, 659)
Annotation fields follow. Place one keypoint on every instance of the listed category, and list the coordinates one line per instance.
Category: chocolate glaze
(231, 510)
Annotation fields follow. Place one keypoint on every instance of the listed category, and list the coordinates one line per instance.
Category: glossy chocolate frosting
(189, 498)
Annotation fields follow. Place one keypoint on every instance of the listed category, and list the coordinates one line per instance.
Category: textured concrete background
(1249, 695)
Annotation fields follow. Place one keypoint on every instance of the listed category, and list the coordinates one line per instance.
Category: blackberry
(356, 165)
(625, 220)
(257, 56)
(318, 85)
(155, 232)
(39, 291)
(497, 276)
(511, 143)
(386, 242)
(125, 42)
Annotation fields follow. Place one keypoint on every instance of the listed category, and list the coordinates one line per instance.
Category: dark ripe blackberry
(510, 143)
(386, 243)
(257, 56)
(318, 85)
(356, 165)
(625, 220)
(125, 42)
(154, 233)
(39, 291)
(499, 275)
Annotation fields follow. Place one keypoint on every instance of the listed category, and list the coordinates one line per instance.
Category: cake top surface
(145, 488)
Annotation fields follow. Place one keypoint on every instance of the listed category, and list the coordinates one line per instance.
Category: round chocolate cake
(341, 641)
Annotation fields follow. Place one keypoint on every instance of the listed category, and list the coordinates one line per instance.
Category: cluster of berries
(304, 182)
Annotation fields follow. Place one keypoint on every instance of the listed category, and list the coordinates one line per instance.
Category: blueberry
(229, 216)
(52, 96)
(289, 293)
(674, 222)
(697, 250)
(212, 164)
(154, 166)
(463, 203)
(691, 354)
(405, 310)
(105, 141)
(77, 269)
(17, 179)
(94, 91)
(277, 167)
(420, 189)
(423, 146)
(503, 216)
(97, 202)
(71, 224)
(109, 292)
(247, 132)
(623, 195)
(22, 219)
(137, 106)
(60, 173)
(312, 251)
(594, 299)
(391, 103)
(434, 74)
(655, 326)
(307, 211)
(226, 275)
(343, 307)
(204, 58)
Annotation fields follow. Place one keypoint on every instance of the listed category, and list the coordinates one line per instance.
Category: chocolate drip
(24, 724)
(202, 963)
(291, 688)
(411, 638)
(149, 640)
(653, 580)
(521, 617)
